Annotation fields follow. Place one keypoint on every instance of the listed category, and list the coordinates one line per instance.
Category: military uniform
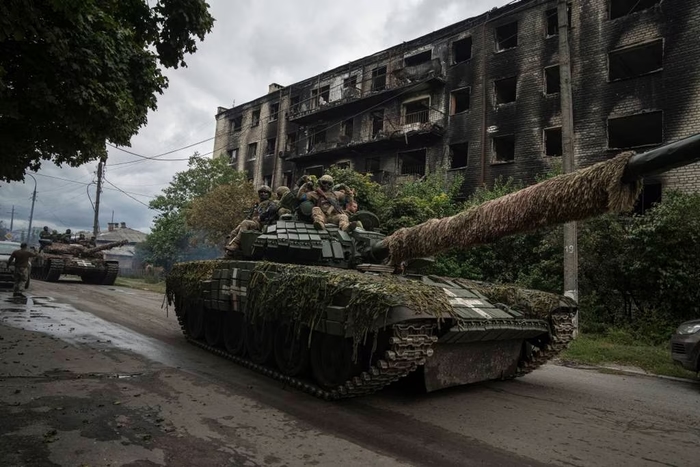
(281, 192)
(328, 204)
(21, 259)
(262, 213)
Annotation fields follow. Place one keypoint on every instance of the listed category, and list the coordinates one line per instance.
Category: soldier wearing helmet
(263, 213)
(329, 204)
(66, 236)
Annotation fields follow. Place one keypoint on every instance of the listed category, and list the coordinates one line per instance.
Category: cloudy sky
(253, 43)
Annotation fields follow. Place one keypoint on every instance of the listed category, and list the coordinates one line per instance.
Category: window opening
(552, 83)
(459, 155)
(635, 61)
(237, 123)
(620, 8)
(461, 50)
(256, 118)
(504, 148)
(372, 165)
(507, 36)
(348, 128)
(413, 162)
(320, 95)
(506, 90)
(553, 142)
(416, 111)
(317, 170)
(379, 78)
(232, 155)
(419, 58)
(274, 110)
(294, 104)
(270, 149)
(650, 195)
(552, 17)
(460, 100)
(377, 122)
(252, 151)
(635, 130)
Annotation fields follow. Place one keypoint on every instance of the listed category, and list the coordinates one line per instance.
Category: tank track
(409, 347)
(111, 274)
(563, 329)
(55, 270)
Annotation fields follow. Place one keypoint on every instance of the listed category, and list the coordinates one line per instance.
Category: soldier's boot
(318, 225)
(344, 223)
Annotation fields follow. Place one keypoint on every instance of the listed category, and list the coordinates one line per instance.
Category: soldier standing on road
(21, 259)
(262, 213)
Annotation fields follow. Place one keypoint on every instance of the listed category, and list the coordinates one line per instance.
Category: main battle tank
(56, 259)
(340, 314)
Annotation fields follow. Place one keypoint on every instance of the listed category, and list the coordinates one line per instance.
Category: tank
(56, 259)
(340, 314)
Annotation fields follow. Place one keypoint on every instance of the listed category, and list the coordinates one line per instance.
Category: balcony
(423, 127)
(354, 99)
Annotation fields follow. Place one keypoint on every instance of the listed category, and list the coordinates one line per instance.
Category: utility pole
(96, 222)
(12, 218)
(31, 213)
(567, 134)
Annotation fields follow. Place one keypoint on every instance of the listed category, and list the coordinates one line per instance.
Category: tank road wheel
(291, 350)
(195, 320)
(331, 360)
(234, 333)
(260, 341)
(213, 327)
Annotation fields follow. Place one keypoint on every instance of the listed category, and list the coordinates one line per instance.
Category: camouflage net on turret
(575, 196)
(184, 282)
(533, 304)
(303, 293)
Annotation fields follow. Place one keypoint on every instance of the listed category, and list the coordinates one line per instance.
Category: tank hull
(91, 270)
(218, 306)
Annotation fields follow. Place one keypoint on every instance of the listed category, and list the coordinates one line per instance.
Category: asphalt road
(94, 375)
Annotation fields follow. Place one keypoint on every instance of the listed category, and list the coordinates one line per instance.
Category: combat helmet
(326, 182)
(281, 191)
(264, 189)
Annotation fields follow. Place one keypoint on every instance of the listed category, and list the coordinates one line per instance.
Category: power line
(86, 184)
(127, 194)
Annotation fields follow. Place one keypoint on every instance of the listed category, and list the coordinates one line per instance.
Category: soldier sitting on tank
(45, 238)
(264, 212)
(328, 204)
(289, 202)
(281, 191)
(66, 237)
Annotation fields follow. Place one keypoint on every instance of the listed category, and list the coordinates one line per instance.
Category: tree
(171, 240)
(77, 73)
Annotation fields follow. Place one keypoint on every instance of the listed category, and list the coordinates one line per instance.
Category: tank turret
(56, 259)
(326, 311)
(106, 246)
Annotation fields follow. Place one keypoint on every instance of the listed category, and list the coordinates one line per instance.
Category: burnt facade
(481, 97)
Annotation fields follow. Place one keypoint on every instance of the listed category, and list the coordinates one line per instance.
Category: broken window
(287, 178)
(416, 111)
(650, 195)
(412, 162)
(507, 36)
(320, 95)
(267, 179)
(317, 170)
(270, 149)
(232, 155)
(504, 148)
(419, 58)
(372, 165)
(343, 165)
(505, 90)
(237, 123)
(350, 82)
(552, 18)
(317, 135)
(553, 142)
(294, 104)
(552, 85)
(252, 151)
(459, 154)
(256, 118)
(379, 78)
(461, 50)
(636, 61)
(620, 8)
(377, 122)
(635, 130)
(460, 100)
(292, 142)
(274, 110)
(348, 128)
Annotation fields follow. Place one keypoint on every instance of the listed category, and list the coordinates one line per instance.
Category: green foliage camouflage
(74, 74)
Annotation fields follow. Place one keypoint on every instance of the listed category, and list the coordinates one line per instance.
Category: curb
(626, 371)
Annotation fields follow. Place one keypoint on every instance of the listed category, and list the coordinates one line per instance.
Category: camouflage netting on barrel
(534, 304)
(569, 197)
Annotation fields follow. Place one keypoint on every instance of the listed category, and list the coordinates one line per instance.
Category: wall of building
(596, 41)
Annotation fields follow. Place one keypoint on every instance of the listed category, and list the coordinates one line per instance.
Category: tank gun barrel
(106, 246)
(610, 186)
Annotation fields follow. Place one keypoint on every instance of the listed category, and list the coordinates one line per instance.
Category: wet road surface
(101, 376)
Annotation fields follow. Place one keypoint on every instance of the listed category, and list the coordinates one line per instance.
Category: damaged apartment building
(481, 98)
